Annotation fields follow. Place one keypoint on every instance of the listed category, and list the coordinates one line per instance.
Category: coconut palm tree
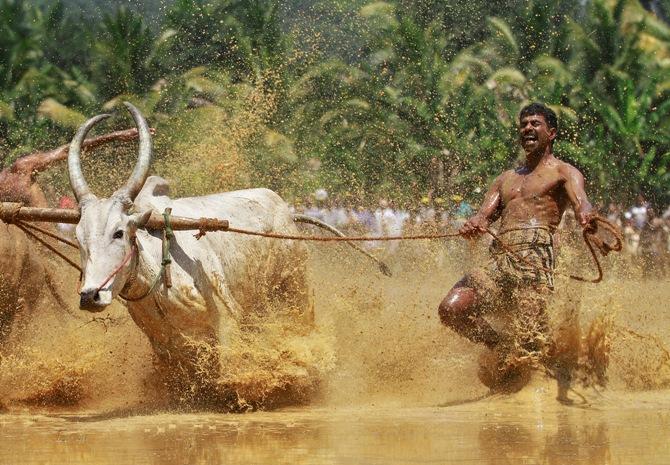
(124, 55)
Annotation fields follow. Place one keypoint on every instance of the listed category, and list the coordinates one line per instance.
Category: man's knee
(456, 308)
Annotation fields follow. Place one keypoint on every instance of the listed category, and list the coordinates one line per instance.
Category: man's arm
(17, 181)
(487, 213)
(574, 188)
(36, 162)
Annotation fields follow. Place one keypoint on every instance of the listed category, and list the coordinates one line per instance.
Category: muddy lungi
(536, 246)
(518, 292)
(505, 274)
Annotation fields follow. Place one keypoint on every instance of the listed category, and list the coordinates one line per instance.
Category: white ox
(217, 279)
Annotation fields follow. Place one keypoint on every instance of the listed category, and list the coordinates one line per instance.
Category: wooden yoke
(11, 212)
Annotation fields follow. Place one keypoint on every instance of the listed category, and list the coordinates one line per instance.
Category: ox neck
(132, 286)
(145, 272)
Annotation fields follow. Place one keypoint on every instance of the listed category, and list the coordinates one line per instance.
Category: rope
(50, 234)
(168, 235)
(9, 212)
(592, 241)
(10, 215)
(341, 239)
(164, 272)
(127, 257)
(149, 291)
(589, 234)
(207, 224)
(22, 227)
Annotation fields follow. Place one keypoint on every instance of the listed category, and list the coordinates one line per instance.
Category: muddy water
(493, 431)
(402, 389)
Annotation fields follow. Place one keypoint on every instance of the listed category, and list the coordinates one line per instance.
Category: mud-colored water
(401, 388)
(494, 431)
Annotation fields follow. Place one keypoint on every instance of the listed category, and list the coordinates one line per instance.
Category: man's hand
(474, 227)
(585, 217)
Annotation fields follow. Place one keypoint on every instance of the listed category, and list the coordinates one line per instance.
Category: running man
(529, 201)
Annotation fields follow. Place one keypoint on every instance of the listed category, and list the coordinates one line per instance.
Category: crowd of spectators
(646, 232)
(386, 217)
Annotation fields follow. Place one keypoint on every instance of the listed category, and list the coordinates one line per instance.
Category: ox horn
(81, 190)
(141, 170)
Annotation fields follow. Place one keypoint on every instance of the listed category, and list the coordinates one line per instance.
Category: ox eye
(118, 234)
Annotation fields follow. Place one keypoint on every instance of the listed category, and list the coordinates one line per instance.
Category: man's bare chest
(537, 185)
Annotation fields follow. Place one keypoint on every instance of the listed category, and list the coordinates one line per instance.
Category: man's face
(534, 133)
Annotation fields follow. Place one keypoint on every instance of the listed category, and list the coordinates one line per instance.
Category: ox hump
(155, 186)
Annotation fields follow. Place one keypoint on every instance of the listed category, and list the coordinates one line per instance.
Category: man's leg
(534, 339)
(461, 311)
(531, 322)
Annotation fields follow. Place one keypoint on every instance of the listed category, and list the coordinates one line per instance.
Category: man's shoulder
(566, 168)
(507, 173)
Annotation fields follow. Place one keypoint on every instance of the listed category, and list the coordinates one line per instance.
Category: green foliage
(360, 96)
(123, 55)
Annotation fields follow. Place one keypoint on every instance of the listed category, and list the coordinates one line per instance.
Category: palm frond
(60, 114)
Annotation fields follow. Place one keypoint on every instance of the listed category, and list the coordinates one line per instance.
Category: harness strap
(149, 291)
(168, 235)
(129, 254)
(164, 272)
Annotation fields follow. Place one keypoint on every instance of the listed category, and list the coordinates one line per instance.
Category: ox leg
(190, 371)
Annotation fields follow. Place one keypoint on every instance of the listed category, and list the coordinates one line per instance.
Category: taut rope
(24, 227)
(203, 225)
(589, 234)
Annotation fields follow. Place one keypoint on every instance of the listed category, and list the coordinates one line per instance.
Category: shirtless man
(18, 181)
(530, 201)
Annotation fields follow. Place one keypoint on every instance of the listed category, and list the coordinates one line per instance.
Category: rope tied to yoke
(205, 225)
(9, 212)
(164, 272)
(590, 234)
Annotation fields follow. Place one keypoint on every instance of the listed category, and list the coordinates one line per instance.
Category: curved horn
(77, 181)
(141, 171)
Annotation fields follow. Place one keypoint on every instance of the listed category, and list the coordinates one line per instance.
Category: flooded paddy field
(500, 431)
(399, 388)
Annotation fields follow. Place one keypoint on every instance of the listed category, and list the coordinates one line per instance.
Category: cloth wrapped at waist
(535, 245)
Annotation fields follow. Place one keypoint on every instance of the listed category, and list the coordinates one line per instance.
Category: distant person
(639, 212)
(653, 244)
(311, 209)
(614, 214)
(529, 201)
(631, 235)
(426, 218)
(66, 229)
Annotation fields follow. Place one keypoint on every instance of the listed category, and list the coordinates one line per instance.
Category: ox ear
(140, 220)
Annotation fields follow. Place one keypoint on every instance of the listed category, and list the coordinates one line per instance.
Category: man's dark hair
(537, 108)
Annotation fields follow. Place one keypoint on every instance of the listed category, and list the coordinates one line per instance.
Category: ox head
(107, 227)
